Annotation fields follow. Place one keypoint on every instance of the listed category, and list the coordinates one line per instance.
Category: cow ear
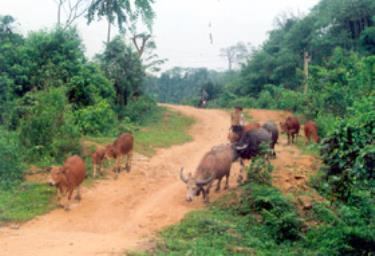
(62, 170)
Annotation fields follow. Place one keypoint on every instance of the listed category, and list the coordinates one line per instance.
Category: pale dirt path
(117, 215)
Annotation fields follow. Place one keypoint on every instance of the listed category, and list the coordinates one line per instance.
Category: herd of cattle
(246, 142)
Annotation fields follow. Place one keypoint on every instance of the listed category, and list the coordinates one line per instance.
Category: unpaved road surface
(119, 215)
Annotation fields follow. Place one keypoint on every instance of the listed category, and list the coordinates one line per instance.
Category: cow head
(194, 187)
(283, 127)
(56, 175)
(110, 152)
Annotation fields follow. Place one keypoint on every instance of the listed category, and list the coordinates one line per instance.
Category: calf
(214, 165)
(121, 147)
(311, 131)
(68, 177)
(97, 160)
(291, 127)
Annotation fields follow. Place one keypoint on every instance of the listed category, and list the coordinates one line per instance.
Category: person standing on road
(237, 117)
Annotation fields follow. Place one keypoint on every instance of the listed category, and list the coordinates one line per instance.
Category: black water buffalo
(271, 127)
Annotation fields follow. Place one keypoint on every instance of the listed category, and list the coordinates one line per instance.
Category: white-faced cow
(215, 165)
(68, 178)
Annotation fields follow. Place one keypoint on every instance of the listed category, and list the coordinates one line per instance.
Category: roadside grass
(25, 201)
(310, 148)
(161, 129)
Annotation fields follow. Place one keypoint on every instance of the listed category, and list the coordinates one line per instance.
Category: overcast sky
(181, 28)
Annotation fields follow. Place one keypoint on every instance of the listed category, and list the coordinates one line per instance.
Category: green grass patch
(310, 148)
(25, 201)
(161, 129)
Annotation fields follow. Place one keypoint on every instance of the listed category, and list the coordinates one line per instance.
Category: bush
(96, 119)
(138, 109)
(48, 131)
(260, 171)
(11, 168)
(349, 151)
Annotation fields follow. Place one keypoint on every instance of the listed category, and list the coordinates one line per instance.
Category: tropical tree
(123, 66)
(121, 12)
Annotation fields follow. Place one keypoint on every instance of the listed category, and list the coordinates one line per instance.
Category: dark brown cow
(311, 131)
(97, 160)
(291, 127)
(68, 177)
(121, 147)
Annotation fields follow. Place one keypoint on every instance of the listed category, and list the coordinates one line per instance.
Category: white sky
(181, 28)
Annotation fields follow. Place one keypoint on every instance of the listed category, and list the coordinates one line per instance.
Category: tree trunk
(59, 13)
(109, 31)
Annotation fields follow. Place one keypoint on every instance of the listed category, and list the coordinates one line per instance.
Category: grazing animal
(97, 160)
(214, 165)
(271, 127)
(250, 145)
(311, 131)
(68, 177)
(121, 147)
(291, 127)
(236, 132)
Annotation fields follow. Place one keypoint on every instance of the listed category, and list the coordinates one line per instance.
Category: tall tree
(122, 11)
(236, 54)
(123, 66)
(73, 10)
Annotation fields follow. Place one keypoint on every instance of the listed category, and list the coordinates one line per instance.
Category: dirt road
(116, 215)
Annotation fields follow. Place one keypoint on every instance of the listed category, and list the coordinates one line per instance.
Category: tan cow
(97, 160)
(68, 177)
(121, 147)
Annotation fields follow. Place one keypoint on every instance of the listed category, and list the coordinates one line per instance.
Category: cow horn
(204, 182)
(241, 147)
(182, 176)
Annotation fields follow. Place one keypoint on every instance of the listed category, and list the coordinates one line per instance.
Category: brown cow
(311, 131)
(121, 147)
(97, 160)
(236, 132)
(68, 177)
(291, 127)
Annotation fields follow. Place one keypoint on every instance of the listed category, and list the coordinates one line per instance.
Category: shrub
(96, 119)
(138, 109)
(48, 131)
(260, 171)
(349, 151)
(11, 168)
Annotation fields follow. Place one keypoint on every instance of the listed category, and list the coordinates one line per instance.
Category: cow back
(251, 142)
(75, 170)
(124, 143)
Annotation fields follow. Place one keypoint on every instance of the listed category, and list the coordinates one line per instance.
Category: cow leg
(206, 200)
(78, 195)
(129, 161)
(218, 185)
(240, 176)
(118, 166)
(226, 182)
(94, 170)
(67, 205)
